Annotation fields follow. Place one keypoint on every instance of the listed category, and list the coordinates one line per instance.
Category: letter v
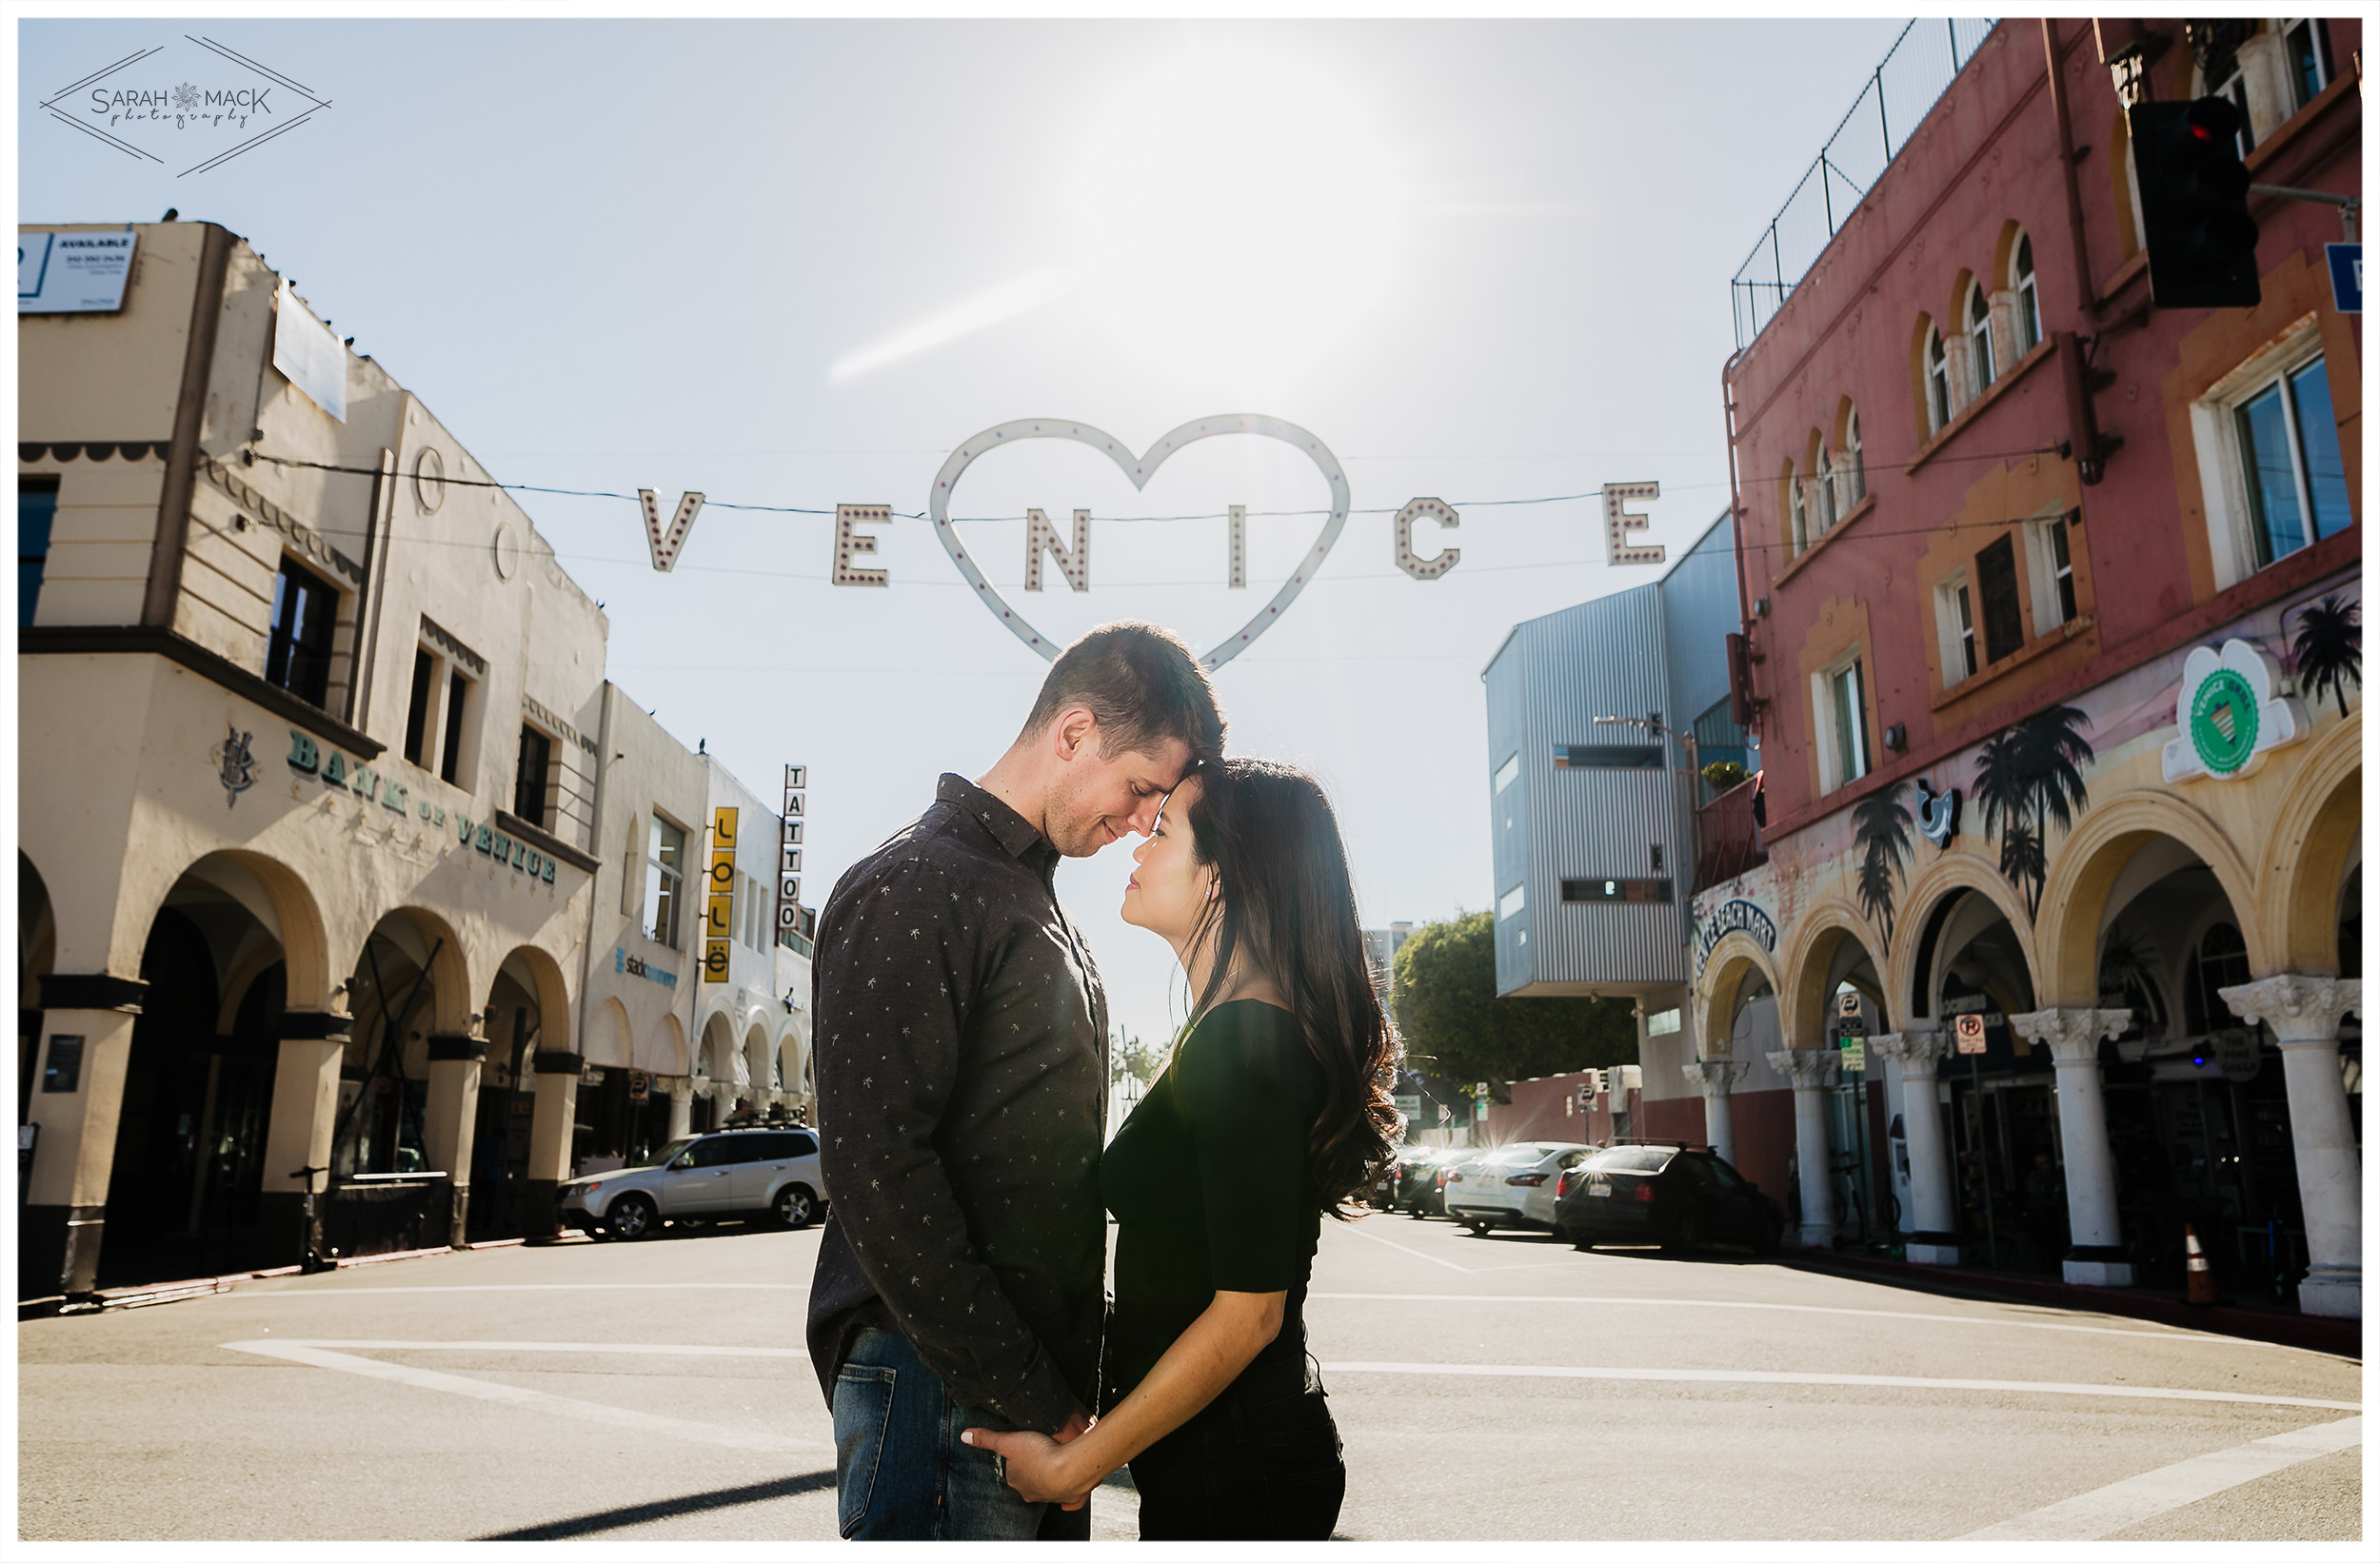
(665, 548)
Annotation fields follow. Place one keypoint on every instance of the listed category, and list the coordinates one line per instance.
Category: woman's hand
(1036, 1464)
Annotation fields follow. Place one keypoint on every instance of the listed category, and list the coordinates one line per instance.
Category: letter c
(1425, 569)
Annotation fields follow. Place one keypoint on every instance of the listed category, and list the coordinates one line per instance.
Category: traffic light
(2193, 205)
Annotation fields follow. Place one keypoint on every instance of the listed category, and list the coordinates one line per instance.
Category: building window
(36, 508)
(1954, 610)
(1842, 722)
(2289, 451)
(2003, 614)
(2306, 45)
(1937, 381)
(459, 692)
(2220, 961)
(417, 709)
(530, 776)
(1800, 506)
(664, 881)
(1827, 516)
(305, 614)
(2054, 575)
(2028, 298)
(1510, 903)
(2225, 80)
(1606, 757)
(1509, 772)
(1979, 335)
(1853, 459)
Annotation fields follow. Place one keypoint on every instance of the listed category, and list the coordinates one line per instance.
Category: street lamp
(1694, 772)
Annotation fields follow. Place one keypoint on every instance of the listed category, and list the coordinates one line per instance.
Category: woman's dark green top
(1207, 1181)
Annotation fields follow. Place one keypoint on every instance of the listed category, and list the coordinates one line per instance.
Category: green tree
(1454, 1026)
(1129, 1058)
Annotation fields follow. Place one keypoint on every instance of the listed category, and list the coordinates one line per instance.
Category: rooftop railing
(1905, 84)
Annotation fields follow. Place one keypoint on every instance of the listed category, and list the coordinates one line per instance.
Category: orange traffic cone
(2201, 1275)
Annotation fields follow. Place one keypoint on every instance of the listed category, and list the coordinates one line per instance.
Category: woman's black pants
(1245, 1469)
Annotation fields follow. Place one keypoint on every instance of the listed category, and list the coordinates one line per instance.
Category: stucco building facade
(2053, 607)
(335, 846)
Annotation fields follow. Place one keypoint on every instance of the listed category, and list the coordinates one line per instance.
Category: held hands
(1037, 1464)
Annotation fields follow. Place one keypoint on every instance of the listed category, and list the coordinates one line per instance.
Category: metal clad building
(1590, 822)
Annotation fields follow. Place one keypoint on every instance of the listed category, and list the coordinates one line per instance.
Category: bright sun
(1235, 208)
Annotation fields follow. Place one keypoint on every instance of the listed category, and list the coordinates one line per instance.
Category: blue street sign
(2346, 278)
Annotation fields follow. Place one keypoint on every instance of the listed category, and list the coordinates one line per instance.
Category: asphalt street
(1500, 1387)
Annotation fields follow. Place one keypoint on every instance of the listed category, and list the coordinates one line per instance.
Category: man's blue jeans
(901, 1473)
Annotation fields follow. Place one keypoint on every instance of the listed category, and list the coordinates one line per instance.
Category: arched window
(1979, 335)
(2028, 297)
(1857, 466)
(1827, 479)
(1937, 381)
(1799, 507)
(2220, 961)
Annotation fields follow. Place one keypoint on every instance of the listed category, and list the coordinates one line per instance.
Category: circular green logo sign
(2223, 721)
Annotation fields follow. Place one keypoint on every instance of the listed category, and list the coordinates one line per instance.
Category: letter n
(1040, 537)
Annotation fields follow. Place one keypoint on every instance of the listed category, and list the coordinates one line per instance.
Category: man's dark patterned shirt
(961, 1061)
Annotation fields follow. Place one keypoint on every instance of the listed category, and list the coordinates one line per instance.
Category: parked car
(1511, 1187)
(703, 1177)
(1680, 1197)
(1413, 1179)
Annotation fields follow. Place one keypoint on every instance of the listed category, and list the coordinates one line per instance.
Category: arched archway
(230, 937)
(411, 982)
(674, 1062)
(36, 958)
(1736, 964)
(1841, 1126)
(2076, 895)
(2314, 846)
(760, 1063)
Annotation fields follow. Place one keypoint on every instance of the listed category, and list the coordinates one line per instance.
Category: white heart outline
(1140, 469)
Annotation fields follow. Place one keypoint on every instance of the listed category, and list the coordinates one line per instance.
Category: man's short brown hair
(1141, 684)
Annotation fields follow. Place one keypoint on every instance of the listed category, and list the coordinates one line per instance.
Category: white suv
(736, 1172)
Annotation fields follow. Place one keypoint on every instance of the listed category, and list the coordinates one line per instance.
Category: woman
(1274, 1110)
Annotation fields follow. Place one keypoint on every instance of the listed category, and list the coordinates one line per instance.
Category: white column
(2073, 1036)
(2304, 1013)
(1932, 1236)
(1717, 1077)
(681, 1109)
(450, 1119)
(1811, 1070)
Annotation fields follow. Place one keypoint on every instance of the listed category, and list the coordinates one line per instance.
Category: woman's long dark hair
(1288, 906)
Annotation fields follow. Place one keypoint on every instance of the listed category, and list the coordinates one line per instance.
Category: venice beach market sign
(1730, 917)
(1072, 554)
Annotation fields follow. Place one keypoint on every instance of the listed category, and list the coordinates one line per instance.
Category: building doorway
(188, 1171)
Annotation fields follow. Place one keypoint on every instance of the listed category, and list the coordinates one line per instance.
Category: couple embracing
(960, 1322)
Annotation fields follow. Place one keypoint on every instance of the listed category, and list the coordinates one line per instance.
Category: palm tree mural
(2329, 651)
(1880, 824)
(2028, 776)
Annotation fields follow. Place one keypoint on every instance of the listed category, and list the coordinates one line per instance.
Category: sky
(800, 262)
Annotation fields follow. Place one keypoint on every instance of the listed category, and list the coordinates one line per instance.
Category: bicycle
(312, 1260)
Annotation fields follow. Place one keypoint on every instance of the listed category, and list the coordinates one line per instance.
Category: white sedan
(1513, 1186)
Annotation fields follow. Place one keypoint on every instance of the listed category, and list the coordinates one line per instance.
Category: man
(961, 1058)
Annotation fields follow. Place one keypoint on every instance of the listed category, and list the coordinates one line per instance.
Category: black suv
(1679, 1195)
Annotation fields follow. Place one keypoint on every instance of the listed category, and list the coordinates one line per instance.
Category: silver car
(705, 1177)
